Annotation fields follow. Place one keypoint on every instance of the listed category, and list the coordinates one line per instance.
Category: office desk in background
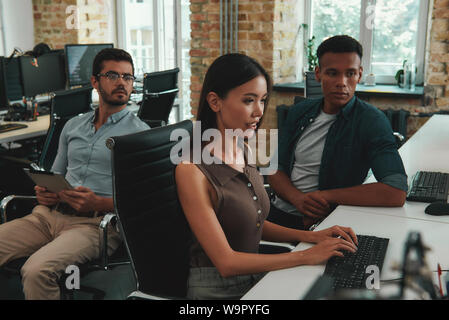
(427, 150)
(35, 129)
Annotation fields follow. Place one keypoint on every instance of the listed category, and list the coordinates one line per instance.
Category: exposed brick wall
(286, 35)
(438, 55)
(267, 32)
(94, 20)
(205, 43)
(50, 23)
(255, 37)
(55, 23)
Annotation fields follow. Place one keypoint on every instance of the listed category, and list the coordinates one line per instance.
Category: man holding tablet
(63, 229)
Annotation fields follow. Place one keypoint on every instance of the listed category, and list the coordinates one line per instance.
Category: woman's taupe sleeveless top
(241, 209)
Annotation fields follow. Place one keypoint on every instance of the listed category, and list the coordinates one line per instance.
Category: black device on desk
(429, 186)
(439, 208)
(350, 271)
(5, 127)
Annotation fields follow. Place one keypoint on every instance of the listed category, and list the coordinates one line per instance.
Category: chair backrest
(64, 105)
(312, 87)
(153, 225)
(159, 93)
(282, 112)
(298, 99)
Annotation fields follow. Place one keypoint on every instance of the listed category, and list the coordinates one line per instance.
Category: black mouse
(438, 208)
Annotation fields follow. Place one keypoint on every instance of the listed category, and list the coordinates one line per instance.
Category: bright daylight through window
(157, 35)
(391, 31)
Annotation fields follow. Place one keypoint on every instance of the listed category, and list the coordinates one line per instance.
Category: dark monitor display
(4, 103)
(43, 74)
(80, 58)
(13, 78)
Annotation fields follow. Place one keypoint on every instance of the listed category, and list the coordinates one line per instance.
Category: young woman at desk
(226, 204)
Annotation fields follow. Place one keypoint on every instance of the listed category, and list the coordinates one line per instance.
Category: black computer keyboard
(11, 126)
(429, 187)
(350, 271)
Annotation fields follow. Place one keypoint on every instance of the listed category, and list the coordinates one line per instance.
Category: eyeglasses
(114, 76)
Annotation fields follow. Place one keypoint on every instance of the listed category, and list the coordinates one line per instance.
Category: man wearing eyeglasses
(63, 229)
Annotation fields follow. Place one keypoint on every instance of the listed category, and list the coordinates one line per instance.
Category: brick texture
(59, 22)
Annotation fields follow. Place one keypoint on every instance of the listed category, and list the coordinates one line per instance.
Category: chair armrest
(270, 192)
(155, 123)
(107, 220)
(157, 94)
(278, 246)
(399, 136)
(5, 202)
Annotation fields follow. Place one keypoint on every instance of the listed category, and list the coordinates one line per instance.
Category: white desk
(428, 150)
(294, 283)
(34, 129)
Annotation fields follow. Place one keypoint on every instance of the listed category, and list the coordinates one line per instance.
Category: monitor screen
(43, 74)
(80, 58)
(13, 78)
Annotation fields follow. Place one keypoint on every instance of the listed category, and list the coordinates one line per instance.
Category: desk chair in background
(64, 106)
(312, 87)
(153, 225)
(159, 93)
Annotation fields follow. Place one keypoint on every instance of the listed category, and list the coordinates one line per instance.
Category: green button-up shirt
(360, 139)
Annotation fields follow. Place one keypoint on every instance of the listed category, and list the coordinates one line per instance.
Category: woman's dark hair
(339, 44)
(224, 74)
(110, 54)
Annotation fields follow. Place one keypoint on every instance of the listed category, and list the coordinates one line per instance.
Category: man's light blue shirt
(82, 154)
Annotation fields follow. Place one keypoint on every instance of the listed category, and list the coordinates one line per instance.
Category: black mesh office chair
(312, 87)
(153, 225)
(159, 93)
(65, 105)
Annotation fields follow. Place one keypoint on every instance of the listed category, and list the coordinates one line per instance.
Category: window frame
(366, 40)
(158, 43)
(2, 32)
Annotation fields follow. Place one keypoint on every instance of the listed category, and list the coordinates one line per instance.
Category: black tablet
(53, 182)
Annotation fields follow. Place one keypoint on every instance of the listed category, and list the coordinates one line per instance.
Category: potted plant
(399, 76)
(312, 58)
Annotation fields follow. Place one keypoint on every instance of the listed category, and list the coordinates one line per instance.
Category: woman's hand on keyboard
(327, 249)
(334, 232)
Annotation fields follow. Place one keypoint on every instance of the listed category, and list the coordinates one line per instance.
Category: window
(157, 35)
(390, 31)
(2, 38)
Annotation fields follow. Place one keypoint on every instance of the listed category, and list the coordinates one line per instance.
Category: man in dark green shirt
(328, 145)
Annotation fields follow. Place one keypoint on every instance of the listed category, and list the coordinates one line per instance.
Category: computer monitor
(80, 58)
(13, 78)
(43, 74)
(4, 102)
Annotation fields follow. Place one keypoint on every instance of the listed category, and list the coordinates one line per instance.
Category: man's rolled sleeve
(397, 180)
(385, 160)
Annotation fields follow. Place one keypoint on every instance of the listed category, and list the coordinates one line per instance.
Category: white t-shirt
(308, 153)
